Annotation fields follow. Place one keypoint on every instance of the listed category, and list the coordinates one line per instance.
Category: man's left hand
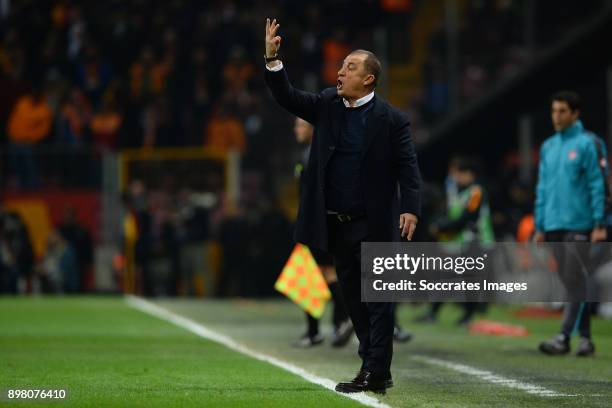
(599, 234)
(407, 223)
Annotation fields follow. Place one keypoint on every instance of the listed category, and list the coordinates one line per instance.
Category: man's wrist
(270, 58)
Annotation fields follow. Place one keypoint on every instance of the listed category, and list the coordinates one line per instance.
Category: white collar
(360, 101)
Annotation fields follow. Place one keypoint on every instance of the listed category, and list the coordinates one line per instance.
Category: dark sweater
(342, 179)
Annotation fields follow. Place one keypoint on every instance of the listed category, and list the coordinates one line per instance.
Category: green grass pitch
(106, 353)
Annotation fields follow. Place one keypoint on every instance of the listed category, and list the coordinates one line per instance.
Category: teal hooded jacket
(570, 194)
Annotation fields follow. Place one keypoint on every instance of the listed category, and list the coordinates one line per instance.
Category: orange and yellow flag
(302, 282)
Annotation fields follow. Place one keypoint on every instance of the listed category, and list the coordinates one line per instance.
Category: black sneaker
(400, 335)
(585, 347)
(343, 334)
(307, 341)
(556, 346)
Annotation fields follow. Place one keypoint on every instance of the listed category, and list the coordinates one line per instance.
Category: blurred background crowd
(140, 150)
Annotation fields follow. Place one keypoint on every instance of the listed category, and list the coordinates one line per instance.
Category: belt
(344, 217)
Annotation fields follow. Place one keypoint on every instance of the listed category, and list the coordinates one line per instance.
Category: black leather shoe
(365, 381)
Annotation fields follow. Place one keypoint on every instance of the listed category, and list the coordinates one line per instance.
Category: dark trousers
(572, 268)
(373, 321)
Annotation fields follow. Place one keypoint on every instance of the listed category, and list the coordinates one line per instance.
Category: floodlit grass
(108, 354)
(270, 327)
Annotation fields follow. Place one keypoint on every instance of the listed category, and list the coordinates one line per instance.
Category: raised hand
(272, 40)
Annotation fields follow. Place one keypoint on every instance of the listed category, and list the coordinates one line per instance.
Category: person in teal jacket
(570, 181)
(570, 207)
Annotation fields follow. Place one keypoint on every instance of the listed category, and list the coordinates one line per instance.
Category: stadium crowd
(495, 40)
(80, 79)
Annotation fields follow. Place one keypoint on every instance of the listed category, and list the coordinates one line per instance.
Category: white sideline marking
(202, 331)
(493, 378)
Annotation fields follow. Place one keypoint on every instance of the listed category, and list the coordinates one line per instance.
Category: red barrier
(86, 203)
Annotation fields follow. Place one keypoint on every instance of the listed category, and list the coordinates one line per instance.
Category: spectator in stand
(73, 138)
(197, 94)
(12, 55)
(81, 242)
(147, 76)
(77, 29)
(58, 271)
(238, 71)
(138, 237)
(105, 126)
(225, 132)
(93, 73)
(16, 253)
(157, 125)
(435, 101)
(74, 118)
(311, 47)
(29, 124)
(234, 235)
(335, 49)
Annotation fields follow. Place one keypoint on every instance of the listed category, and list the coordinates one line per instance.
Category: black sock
(313, 325)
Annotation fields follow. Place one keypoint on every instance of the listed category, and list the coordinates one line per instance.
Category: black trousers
(373, 321)
(572, 271)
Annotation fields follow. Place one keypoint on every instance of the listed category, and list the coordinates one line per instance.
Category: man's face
(353, 79)
(303, 131)
(562, 116)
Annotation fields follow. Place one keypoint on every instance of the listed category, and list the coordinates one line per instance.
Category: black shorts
(321, 257)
